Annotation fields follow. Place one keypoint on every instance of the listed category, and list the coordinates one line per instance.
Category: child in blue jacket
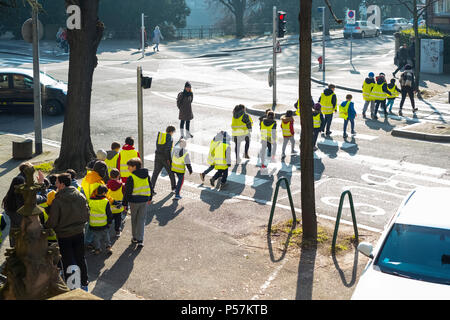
(347, 111)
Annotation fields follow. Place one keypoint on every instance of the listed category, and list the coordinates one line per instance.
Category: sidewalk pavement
(194, 253)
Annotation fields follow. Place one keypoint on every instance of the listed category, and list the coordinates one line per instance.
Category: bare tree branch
(332, 13)
(405, 3)
(229, 5)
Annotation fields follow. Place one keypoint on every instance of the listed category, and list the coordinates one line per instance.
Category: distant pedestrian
(180, 160)
(328, 101)
(163, 156)
(100, 219)
(401, 58)
(268, 138)
(367, 87)
(210, 160)
(408, 85)
(157, 36)
(394, 90)
(318, 123)
(241, 126)
(348, 113)
(138, 194)
(69, 213)
(184, 104)
(287, 126)
(320, 60)
(128, 152)
(222, 161)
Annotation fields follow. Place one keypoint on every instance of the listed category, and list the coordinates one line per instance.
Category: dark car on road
(16, 91)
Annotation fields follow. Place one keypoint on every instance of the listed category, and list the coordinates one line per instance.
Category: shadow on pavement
(306, 265)
(353, 149)
(286, 244)
(9, 121)
(117, 275)
(8, 166)
(330, 150)
(377, 125)
(163, 214)
(342, 274)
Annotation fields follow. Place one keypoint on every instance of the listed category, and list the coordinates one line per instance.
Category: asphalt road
(380, 170)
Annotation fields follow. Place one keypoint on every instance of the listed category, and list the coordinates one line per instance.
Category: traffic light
(281, 24)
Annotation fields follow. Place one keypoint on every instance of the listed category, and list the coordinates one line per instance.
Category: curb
(420, 135)
(337, 86)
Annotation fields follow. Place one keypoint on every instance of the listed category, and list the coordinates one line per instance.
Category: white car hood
(376, 285)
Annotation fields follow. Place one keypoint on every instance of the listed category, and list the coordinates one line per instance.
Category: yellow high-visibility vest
(286, 128)
(52, 237)
(98, 217)
(316, 121)
(162, 137)
(238, 127)
(178, 163)
(116, 195)
(366, 89)
(126, 155)
(89, 188)
(141, 186)
(394, 93)
(326, 102)
(377, 92)
(220, 157)
(297, 112)
(266, 132)
(212, 146)
(112, 163)
(343, 111)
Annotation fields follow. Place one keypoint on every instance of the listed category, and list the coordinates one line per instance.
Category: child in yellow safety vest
(100, 218)
(348, 113)
(287, 126)
(180, 160)
(395, 91)
(268, 137)
(115, 192)
(318, 123)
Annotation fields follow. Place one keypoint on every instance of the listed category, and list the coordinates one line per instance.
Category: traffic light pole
(37, 87)
(143, 35)
(323, 44)
(274, 103)
(140, 112)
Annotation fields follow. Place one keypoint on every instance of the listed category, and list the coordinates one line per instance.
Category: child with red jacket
(115, 191)
(287, 126)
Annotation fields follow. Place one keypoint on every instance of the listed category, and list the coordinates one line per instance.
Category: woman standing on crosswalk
(184, 104)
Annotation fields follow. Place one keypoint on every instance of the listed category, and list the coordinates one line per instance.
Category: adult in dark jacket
(163, 157)
(184, 104)
(402, 58)
(407, 83)
(239, 135)
(69, 213)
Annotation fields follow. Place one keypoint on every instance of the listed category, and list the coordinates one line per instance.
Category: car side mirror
(366, 249)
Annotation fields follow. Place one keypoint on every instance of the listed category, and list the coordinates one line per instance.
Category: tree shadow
(306, 266)
(10, 119)
(341, 272)
(163, 214)
(118, 274)
(9, 165)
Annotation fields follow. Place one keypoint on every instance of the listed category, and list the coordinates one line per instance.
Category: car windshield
(389, 21)
(417, 252)
(47, 80)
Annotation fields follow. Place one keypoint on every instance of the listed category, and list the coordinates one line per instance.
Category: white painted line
(272, 277)
(253, 67)
(286, 72)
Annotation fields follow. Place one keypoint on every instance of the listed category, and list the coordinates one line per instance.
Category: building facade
(439, 15)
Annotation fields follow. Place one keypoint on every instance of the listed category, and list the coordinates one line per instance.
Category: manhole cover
(440, 127)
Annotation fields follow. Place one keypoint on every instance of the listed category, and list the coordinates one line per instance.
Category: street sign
(351, 16)
(27, 30)
(278, 47)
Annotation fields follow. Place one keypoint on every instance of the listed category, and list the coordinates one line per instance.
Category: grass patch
(45, 167)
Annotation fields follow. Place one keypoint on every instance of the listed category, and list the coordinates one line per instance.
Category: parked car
(361, 29)
(421, 22)
(393, 25)
(412, 257)
(16, 91)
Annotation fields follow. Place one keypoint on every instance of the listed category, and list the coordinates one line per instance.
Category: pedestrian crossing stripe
(218, 63)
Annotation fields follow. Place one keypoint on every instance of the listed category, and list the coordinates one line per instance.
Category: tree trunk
(309, 219)
(239, 15)
(76, 146)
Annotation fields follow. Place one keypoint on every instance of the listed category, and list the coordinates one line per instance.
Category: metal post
(351, 47)
(323, 44)
(140, 112)
(274, 103)
(142, 34)
(37, 87)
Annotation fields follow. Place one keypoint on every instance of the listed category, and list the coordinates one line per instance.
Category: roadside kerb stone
(424, 131)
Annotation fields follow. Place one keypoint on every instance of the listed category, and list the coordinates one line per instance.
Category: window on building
(442, 7)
